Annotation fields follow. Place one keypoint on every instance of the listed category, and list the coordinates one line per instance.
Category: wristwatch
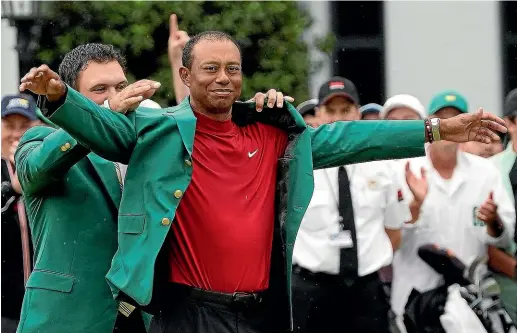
(435, 129)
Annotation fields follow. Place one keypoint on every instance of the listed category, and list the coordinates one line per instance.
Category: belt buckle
(243, 298)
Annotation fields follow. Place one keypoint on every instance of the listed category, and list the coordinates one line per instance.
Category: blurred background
(386, 48)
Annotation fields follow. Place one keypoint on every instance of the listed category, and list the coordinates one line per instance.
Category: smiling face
(215, 76)
(100, 81)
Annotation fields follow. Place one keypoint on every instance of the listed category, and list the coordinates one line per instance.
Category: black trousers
(132, 324)
(324, 303)
(182, 314)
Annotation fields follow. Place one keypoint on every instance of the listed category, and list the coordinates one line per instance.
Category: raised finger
(173, 25)
(137, 91)
(490, 205)
(259, 101)
(271, 97)
(289, 99)
(279, 99)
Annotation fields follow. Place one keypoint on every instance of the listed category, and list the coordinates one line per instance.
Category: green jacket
(158, 148)
(72, 198)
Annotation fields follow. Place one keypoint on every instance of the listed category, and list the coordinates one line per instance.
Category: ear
(185, 75)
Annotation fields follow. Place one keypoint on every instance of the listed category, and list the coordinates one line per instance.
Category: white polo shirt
(376, 204)
(448, 218)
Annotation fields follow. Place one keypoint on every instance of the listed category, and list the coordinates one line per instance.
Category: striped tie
(119, 176)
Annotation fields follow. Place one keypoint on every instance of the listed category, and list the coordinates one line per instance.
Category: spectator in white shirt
(461, 204)
(339, 250)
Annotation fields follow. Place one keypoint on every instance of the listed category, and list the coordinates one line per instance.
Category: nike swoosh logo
(250, 155)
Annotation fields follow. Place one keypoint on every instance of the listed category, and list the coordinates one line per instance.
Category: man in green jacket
(72, 199)
(232, 184)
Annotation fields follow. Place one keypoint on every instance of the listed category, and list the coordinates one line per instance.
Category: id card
(342, 239)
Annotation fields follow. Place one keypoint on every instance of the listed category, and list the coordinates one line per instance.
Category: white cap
(403, 101)
(147, 103)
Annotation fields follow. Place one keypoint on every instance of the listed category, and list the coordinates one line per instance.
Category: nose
(222, 78)
(111, 92)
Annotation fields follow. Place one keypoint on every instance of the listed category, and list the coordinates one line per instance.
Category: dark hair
(77, 60)
(187, 57)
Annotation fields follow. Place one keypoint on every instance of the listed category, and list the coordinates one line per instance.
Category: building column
(432, 46)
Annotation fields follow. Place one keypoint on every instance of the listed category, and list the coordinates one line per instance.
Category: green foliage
(274, 55)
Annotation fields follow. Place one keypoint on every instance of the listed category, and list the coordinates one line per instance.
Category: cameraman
(18, 115)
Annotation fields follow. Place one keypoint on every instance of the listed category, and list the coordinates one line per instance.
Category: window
(509, 45)
(359, 52)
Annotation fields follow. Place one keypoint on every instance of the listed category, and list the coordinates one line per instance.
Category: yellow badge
(450, 98)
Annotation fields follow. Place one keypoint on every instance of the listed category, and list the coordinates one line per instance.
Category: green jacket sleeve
(349, 142)
(44, 156)
(109, 134)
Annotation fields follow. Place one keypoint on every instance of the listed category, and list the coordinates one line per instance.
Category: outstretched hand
(43, 81)
(480, 126)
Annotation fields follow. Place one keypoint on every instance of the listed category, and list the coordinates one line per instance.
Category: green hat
(448, 98)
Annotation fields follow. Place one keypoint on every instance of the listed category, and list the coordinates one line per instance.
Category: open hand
(130, 97)
(418, 186)
(480, 126)
(43, 81)
(177, 39)
(272, 97)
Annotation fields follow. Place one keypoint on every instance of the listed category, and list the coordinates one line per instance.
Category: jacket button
(188, 163)
(178, 194)
(67, 145)
(166, 221)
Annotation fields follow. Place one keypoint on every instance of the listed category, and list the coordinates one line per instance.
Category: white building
(422, 47)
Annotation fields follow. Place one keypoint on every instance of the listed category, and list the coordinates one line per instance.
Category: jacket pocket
(50, 281)
(131, 224)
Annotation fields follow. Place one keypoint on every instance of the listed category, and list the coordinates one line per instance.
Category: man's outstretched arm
(111, 135)
(359, 141)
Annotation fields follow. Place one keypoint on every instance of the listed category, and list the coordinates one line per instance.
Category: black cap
(510, 104)
(307, 107)
(338, 86)
(23, 105)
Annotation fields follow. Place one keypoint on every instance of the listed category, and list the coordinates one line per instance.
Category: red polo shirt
(222, 236)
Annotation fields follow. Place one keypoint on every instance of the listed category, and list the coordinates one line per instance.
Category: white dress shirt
(375, 200)
(448, 219)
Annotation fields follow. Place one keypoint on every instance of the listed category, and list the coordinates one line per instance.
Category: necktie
(348, 256)
(513, 181)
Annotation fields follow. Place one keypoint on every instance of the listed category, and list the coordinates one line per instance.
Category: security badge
(342, 238)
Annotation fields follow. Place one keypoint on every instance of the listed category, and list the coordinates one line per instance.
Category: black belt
(332, 278)
(240, 299)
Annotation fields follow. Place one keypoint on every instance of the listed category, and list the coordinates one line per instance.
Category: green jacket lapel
(108, 175)
(186, 123)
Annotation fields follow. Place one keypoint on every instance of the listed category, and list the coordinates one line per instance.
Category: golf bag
(473, 285)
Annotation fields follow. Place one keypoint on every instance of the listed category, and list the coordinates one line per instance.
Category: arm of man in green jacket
(346, 142)
(44, 156)
(91, 124)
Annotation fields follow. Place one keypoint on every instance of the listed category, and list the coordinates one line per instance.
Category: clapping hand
(419, 188)
(488, 210)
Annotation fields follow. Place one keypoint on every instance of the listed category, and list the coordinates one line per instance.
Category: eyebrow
(103, 84)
